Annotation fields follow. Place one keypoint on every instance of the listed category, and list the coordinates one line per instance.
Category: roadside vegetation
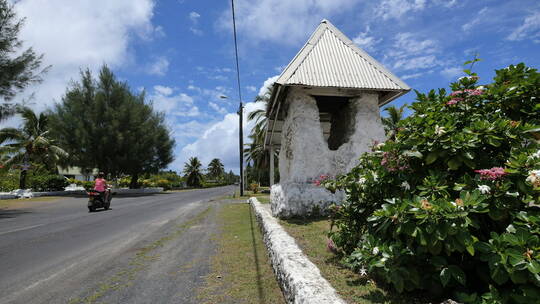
(240, 269)
(449, 205)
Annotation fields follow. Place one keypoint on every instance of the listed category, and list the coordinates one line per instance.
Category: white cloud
(365, 41)
(411, 52)
(159, 67)
(80, 34)
(181, 104)
(217, 108)
(221, 138)
(281, 21)
(194, 17)
(251, 88)
(412, 76)
(265, 89)
(395, 9)
(452, 72)
(529, 29)
(163, 90)
(477, 20)
(219, 141)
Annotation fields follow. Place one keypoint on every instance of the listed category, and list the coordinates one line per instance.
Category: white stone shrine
(323, 114)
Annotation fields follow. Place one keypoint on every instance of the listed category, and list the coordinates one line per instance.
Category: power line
(241, 108)
(236, 53)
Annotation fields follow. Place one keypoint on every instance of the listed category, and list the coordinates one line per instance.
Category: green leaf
(534, 266)
(431, 158)
(445, 276)
(411, 153)
(499, 275)
(454, 163)
(470, 249)
(458, 274)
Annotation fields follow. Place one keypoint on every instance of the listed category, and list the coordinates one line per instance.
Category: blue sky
(181, 51)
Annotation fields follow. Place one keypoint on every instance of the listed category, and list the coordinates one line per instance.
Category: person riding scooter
(100, 186)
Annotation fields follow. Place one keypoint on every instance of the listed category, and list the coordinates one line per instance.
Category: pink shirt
(100, 185)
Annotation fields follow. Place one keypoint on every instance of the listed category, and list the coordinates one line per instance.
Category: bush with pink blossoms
(451, 205)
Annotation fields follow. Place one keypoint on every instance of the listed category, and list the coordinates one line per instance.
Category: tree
(390, 123)
(216, 169)
(255, 152)
(30, 144)
(102, 124)
(192, 171)
(18, 68)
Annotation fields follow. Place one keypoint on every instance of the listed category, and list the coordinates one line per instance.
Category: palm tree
(216, 169)
(30, 144)
(390, 123)
(192, 170)
(254, 151)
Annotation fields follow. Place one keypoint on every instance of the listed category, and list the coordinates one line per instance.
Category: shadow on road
(11, 213)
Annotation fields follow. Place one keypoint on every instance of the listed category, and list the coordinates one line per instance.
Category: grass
(19, 202)
(311, 237)
(264, 198)
(240, 271)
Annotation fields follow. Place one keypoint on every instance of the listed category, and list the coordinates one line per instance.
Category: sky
(182, 53)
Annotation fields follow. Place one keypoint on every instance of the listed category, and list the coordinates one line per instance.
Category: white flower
(439, 130)
(481, 88)
(534, 177)
(484, 189)
(422, 115)
(379, 146)
(374, 175)
(375, 250)
(362, 180)
(534, 155)
(405, 185)
(514, 194)
(363, 272)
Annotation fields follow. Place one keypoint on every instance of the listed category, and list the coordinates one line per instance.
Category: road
(148, 249)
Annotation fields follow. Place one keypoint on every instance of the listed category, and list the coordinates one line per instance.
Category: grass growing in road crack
(141, 261)
(240, 270)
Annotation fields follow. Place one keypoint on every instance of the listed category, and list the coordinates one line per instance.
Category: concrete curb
(118, 191)
(300, 280)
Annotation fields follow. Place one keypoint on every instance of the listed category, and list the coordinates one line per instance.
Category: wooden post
(271, 165)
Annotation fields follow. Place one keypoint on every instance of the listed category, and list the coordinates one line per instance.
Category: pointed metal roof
(330, 59)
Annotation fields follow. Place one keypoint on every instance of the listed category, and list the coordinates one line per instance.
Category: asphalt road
(148, 249)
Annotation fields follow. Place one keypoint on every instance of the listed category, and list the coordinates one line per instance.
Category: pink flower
(455, 100)
(331, 246)
(491, 174)
(456, 93)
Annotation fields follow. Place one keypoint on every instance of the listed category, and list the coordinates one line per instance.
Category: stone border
(300, 280)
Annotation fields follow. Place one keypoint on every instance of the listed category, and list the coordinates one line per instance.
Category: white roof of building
(330, 59)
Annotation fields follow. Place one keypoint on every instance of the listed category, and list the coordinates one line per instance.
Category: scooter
(96, 200)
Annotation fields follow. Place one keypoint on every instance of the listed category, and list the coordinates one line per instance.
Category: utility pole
(241, 108)
(241, 140)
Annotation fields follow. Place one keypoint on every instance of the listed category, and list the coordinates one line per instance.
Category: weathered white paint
(271, 165)
(305, 155)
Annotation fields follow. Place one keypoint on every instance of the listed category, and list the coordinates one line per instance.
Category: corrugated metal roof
(330, 59)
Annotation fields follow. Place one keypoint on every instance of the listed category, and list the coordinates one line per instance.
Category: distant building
(76, 173)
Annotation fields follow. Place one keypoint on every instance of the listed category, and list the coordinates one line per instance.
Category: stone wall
(305, 154)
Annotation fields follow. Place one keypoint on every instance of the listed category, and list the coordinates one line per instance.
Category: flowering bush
(450, 205)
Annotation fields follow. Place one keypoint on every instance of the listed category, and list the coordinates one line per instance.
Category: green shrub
(9, 180)
(48, 182)
(450, 205)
